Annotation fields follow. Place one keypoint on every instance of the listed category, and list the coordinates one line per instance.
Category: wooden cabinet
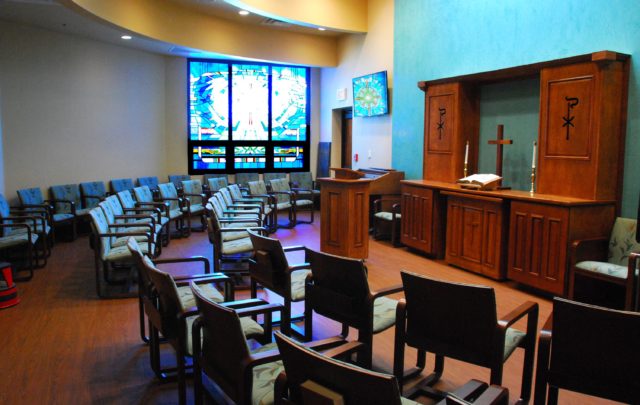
(451, 118)
(540, 236)
(422, 219)
(475, 233)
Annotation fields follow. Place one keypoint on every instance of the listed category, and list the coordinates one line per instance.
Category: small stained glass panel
(289, 98)
(209, 158)
(288, 157)
(250, 106)
(250, 157)
(208, 101)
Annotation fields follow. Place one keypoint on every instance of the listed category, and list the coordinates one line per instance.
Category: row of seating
(447, 319)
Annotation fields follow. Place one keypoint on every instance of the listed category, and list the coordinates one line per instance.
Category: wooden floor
(63, 345)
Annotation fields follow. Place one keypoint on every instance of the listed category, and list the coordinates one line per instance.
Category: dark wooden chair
(170, 307)
(386, 219)
(610, 261)
(338, 289)
(589, 349)
(311, 377)
(460, 321)
(270, 268)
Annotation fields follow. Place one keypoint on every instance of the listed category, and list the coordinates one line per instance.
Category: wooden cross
(499, 142)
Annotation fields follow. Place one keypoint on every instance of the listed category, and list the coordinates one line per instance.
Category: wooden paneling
(422, 219)
(451, 119)
(475, 233)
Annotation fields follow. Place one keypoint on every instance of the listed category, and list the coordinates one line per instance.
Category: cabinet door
(417, 218)
(538, 246)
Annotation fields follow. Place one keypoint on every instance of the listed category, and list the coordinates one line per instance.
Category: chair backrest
(243, 179)
(30, 196)
(226, 194)
(69, 192)
(339, 287)
(595, 350)
(126, 199)
(356, 385)
(269, 261)
(257, 187)
(623, 241)
(118, 185)
(193, 187)
(139, 258)
(95, 189)
(101, 225)
(224, 346)
(143, 194)
(456, 320)
(281, 185)
(177, 179)
(235, 191)
(215, 207)
(5, 211)
(270, 176)
(216, 183)
(150, 181)
(115, 204)
(301, 180)
(206, 177)
(168, 190)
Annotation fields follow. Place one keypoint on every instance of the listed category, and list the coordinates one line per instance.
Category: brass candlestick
(533, 180)
(465, 169)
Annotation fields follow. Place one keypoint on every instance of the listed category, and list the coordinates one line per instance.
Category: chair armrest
(529, 308)
(259, 309)
(188, 312)
(396, 208)
(261, 358)
(386, 291)
(133, 225)
(547, 329)
(377, 205)
(298, 267)
(72, 204)
(258, 229)
(200, 259)
(213, 276)
(293, 248)
(344, 350)
(198, 279)
(588, 249)
(249, 302)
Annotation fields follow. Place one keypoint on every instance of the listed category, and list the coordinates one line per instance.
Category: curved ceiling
(214, 27)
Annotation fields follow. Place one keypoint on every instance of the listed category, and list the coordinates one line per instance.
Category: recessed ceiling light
(321, 29)
(127, 37)
(243, 12)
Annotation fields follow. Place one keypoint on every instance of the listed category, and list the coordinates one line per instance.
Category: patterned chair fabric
(143, 194)
(270, 176)
(143, 228)
(303, 180)
(168, 190)
(37, 223)
(108, 251)
(118, 185)
(177, 179)
(126, 199)
(92, 193)
(216, 183)
(68, 192)
(30, 196)
(243, 179)
(206, 177)
(17, 234)
(235, 191)
(151, 182)
(193, 190)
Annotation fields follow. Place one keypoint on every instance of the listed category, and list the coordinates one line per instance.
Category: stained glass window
(289, 100)
(209, 158)
(246, 116)
(250, 157)
(288, 157)
(209, 101)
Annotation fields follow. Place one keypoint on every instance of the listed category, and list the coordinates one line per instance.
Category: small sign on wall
(341, 94)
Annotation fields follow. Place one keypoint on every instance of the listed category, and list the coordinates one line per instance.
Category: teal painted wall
(442, 38)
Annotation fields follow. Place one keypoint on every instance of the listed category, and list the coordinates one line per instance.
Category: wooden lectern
(344, 213)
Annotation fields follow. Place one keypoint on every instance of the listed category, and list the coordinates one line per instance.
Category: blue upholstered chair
(612, 261)
(297, 202)
(178, 208)
(243, 179)
(118, 185)
(177, 180)
(192, 190)
(66, 199)
(303, 183)
(216, 183)
(152, 183)
(267, 177)
(31, 200)
(92, 193)
(145, 199)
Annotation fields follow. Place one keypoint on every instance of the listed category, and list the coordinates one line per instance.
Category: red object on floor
(8, 291)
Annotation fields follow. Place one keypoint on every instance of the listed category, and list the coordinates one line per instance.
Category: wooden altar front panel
(344, 210)
(422, 222)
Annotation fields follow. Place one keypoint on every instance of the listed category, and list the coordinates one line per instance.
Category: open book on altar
(480, 181)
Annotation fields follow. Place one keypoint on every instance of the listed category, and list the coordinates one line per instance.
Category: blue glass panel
(208, 101)
(250, 107)
(250, 157)
(288, 157)
(289, 99)
(205, 157)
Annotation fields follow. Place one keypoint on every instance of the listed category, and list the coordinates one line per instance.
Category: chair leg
(285, 321)
(308, 322)
(496, 374)
(182, 377)
(143, 324)
(365, 356)
(197, 382)
(553, 396)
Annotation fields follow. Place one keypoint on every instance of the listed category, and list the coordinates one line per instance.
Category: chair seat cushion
(384, 313)
(173, 214)
(123, 241)
(16, 239)
(83, 211)
(229, 236)
(62, 217)
(237, 246)
(264, 377)
(407, 401)
(188, 300)
(303, 203)
(283, 206)
(37, 229)
(249, 328)
(512, 339)
(122, 253)
(297, 284)
(195, 209)
(609, 269)
(386, 216)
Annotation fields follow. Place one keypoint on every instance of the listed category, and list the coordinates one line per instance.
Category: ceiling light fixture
(321, 29)
(243, 12)
(126, 37)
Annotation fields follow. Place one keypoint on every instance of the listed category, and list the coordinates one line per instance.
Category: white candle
(466, 153)
(533, 159)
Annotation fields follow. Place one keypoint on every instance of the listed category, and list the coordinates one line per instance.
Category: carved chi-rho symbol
(443, 112)
(568, 120)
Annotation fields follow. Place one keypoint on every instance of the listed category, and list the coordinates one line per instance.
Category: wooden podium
(344, 213)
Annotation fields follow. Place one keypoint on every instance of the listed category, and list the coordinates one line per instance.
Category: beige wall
(359, 55)
(78, 110)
